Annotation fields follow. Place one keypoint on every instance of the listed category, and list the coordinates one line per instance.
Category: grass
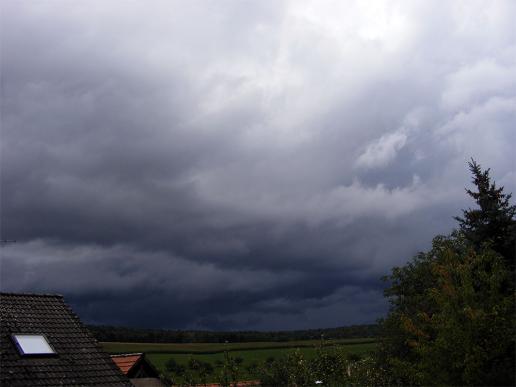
(249, 356)
(212, 348)
(249, 353)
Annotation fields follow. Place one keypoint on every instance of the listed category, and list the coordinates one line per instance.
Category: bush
(290, 371)
(330, 366)
(230, 372)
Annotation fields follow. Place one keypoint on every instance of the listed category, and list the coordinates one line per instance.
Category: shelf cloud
(242, 165)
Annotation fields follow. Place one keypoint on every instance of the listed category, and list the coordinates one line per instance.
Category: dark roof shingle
(79, 360)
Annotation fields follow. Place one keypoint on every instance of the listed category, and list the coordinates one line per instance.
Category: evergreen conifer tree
(494, 222)
(452, 315)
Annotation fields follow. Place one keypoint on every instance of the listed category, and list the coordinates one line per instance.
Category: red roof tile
(126, 362)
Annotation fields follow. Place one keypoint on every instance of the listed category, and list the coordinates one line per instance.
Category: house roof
(79, 360)
(135, 365)
(127, 361)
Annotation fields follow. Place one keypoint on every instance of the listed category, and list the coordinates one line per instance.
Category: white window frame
(23, 353)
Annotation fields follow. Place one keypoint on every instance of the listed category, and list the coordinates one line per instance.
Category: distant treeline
(138, 335)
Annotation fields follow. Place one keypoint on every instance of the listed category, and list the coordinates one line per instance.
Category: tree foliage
(493, 222)
(331, 366)
(452, 317)
(140, 335)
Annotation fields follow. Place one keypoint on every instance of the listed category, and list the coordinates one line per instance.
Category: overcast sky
(242, 164)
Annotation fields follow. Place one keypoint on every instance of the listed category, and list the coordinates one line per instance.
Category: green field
(211, 348)
(250, 354)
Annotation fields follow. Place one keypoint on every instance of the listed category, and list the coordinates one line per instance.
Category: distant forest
(138, 335)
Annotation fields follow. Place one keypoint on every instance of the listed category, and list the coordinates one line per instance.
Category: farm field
(210, 348)
(250, 355)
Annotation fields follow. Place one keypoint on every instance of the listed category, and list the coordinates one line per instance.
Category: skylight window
(33, 345)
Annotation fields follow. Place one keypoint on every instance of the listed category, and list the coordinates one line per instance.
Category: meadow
(249, 355)
(212, 348)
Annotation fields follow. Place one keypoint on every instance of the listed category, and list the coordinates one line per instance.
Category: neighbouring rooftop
(43, 343)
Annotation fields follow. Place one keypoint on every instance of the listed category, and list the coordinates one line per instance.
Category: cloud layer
(248, 165)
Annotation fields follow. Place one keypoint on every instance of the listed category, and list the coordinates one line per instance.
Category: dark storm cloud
(249, 164)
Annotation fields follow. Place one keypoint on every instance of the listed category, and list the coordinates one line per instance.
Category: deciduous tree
(452, 317)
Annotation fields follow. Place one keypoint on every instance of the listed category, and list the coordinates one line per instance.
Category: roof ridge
(12, 294)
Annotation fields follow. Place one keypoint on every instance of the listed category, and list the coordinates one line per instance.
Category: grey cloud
(251, 163)
(94, 277)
